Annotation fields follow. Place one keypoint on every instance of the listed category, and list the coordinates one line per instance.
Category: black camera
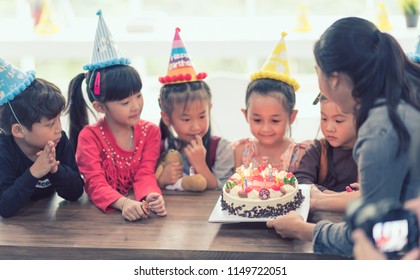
(393, 229)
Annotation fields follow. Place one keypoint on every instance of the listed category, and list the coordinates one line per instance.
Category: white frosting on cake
(261, 192)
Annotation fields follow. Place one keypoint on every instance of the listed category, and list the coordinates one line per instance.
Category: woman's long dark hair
(376, 64)
(115, 83)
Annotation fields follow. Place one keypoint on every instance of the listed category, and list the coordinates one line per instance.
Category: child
(328, 163)
(270, 101)
(36, 158)
(119, 152)
(185, 102)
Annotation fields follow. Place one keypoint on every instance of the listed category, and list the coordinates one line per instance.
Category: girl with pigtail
(193, 159)
(118, 153)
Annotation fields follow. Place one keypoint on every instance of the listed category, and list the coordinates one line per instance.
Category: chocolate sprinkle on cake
(267, 212)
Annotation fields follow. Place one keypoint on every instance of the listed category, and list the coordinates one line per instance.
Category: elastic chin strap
(14, 114)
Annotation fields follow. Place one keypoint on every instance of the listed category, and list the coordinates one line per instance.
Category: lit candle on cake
(271, 172)
(263, 176)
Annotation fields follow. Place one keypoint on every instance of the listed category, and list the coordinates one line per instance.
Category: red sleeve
(145, 180)
(89, 160)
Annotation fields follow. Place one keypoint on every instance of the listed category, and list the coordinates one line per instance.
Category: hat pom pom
(201, 76)
(187, 77)
(99, 12)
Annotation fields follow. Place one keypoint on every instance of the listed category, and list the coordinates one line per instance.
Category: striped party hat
(13, 81)
(105, 51)
(180, 68)
(276, 67)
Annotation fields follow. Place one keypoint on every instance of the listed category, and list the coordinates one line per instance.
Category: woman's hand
(292, 225)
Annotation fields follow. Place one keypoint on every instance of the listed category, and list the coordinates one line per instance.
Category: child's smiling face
(268, 119)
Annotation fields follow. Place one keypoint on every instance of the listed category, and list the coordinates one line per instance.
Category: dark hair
(182, 94)
(41, 99)
(277, 89)
(283, 92)
(115, 83)
(376, 64)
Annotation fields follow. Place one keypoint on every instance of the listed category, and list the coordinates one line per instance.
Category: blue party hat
(105, 51)
(12, 81)
(416, 55)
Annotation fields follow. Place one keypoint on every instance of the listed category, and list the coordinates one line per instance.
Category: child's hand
(156, 203)
(131, 210)
(316, 196)
(170, 174)
(355, 186)
(196, 152)
(45, 162)
(54, 167)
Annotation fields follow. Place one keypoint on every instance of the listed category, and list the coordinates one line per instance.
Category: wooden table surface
(56, 229)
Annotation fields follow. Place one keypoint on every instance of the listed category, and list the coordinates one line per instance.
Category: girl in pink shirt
(119, 152)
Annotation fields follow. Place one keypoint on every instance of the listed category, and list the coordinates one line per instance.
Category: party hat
(382, 19)
(303, 24)
(46, 24)
(277, 66)
(416, 55)
(105, 51)
(12, 81)
(180, 68)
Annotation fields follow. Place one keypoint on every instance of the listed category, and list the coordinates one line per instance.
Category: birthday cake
(262, 192)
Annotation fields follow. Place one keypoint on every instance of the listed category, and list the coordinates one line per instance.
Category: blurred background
(227, 39)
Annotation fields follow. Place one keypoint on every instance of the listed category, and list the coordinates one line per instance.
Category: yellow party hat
(46, 24)
(303, 24)
(276, 66)
(382, 18)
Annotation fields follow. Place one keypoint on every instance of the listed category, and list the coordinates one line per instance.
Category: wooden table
(56, 229)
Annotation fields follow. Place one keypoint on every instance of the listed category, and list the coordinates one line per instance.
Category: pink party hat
(180, 68)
